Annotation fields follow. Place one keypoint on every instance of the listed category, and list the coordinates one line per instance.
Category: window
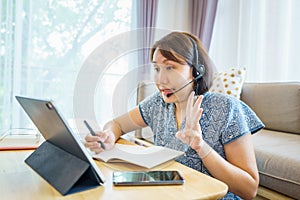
(43, 45)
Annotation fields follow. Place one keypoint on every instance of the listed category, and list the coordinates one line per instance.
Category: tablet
(61, 143)
(147, 178)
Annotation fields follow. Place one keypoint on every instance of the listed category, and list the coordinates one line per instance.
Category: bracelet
(205, 149)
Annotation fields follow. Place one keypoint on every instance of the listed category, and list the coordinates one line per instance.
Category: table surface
(19, 181)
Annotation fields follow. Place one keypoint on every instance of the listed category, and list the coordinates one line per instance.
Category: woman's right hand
(106, 136)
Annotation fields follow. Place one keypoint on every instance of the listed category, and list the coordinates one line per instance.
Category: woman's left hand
(192, 134)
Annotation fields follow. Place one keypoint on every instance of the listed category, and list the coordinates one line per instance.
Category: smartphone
(147, 178)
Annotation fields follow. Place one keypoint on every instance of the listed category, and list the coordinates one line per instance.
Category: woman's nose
(161, 77)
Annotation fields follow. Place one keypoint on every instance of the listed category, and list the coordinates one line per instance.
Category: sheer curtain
(203, 14)
(146, 20)
(262, 36)
(43, 46)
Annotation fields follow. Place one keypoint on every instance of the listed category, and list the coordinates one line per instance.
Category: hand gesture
(106, 136)
(192, 134)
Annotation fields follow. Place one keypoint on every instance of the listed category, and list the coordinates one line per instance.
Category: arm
(113, 129)
(239, 170)
(125, 123)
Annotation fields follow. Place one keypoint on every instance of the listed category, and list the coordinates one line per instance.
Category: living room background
(43, 44)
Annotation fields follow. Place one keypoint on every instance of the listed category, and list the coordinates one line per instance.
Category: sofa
(277, 146)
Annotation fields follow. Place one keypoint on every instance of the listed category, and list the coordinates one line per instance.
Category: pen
(93, 133)
(139, 142)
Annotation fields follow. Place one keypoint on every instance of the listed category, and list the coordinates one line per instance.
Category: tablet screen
(147, 178)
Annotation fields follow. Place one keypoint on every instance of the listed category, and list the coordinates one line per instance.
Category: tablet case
(64, 171)
(61, 160)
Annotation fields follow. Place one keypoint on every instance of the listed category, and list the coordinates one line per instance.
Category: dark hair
(181, 43)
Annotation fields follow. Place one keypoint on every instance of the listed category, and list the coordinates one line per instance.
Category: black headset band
(200, 68)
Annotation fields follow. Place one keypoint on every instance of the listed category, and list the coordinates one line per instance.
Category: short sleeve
(239, 120)
(148, 106)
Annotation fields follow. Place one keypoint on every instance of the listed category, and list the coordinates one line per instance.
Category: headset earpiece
(199, 68)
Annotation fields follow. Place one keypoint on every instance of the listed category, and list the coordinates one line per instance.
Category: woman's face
(170, 76)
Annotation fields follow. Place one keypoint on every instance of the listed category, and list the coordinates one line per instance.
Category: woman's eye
(169, 68)
(156, 69)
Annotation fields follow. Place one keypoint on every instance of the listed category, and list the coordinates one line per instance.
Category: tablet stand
(64, 171)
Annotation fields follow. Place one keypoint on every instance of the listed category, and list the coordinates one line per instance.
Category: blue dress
(224, 119)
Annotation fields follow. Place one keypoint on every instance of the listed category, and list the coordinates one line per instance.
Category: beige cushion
(276, 104)
(229, 81)
(278, 161)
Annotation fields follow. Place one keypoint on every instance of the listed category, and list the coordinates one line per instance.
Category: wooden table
(19, 181)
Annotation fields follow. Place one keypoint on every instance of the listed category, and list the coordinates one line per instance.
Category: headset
(199, 69)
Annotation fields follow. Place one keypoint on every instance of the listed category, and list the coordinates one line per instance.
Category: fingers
(198, 111)
(190, 137)
(188, 134)
(94, 146)
(181, 136)
(99, 136)
(189, 105)
(193, 110)
(198, 102)
(92, 142)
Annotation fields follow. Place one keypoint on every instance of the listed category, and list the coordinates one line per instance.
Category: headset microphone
(199, 76)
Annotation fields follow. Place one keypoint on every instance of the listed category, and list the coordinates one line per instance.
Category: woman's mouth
(165, 92)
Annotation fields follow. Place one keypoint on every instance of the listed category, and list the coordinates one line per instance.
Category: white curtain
(43, 45)
(261, 35)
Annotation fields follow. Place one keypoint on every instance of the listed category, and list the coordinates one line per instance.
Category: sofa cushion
(276, 104)
(278, 161)
(229, 81)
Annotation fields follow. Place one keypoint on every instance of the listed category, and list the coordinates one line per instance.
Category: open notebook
(147, 157)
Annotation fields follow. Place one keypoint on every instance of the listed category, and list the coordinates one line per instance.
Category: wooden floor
(264, 193)
(259, 198)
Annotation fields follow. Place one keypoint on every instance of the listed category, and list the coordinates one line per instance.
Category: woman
(214, 130)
